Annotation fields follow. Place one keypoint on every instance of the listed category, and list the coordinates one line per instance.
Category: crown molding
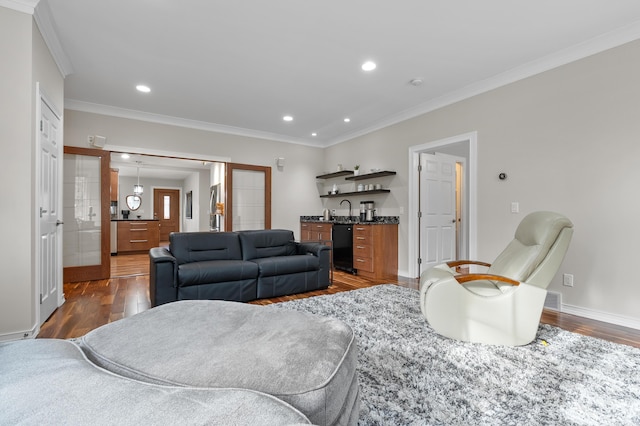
(580, 51)
(76, 105)
(24, 6)
(42, 16)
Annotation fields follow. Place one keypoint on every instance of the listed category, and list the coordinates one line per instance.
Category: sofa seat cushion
(306, 360)
(51, 382)
(283, 265)
(215, 271)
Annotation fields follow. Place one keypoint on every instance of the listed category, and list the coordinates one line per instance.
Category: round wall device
(502, 176)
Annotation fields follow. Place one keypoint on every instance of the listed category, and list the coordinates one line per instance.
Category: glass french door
(85, 241)
(248, 197)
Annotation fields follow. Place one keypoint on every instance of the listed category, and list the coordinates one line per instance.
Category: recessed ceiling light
(369, 66)
(416, 82)
(125, 156)
(287, 118)
(314, 134)
(347, 120)
(142, 88)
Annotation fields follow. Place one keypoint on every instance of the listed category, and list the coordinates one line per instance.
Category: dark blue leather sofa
(236, 266)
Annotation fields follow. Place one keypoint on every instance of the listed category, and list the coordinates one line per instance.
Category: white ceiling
(240, 66)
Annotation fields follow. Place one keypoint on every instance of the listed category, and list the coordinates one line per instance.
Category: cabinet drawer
(362, 250)
(322, 227)
(134, 245)
(362, 263)
(362, 233)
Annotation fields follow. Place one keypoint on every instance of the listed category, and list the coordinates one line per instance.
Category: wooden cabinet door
(305, 232)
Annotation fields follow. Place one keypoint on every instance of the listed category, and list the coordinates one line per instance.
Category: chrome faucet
(349, 206)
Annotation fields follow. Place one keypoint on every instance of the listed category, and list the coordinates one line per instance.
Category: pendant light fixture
(138, 189)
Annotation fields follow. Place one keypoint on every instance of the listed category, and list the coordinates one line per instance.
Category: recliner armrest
(465, 278)
(311, 248)
(161, 254)
(456, 263)
(163, 276)
(323, 253)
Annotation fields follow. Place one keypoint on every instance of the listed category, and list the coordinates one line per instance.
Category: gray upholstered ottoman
(305, 360)
(51, 382)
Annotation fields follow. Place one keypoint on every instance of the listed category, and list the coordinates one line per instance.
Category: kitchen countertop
(355, 220)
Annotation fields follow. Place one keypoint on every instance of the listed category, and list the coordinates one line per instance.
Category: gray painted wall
(25, 61)
(568, 140)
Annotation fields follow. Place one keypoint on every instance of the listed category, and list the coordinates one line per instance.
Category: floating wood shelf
(335, 174)
(371, 175)
(344, 194)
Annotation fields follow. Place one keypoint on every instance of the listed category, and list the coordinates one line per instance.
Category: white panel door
(50, 267)
(438, 209)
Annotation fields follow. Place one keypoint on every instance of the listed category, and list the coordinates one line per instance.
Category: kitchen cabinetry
(114, 185)
(352, 177)
(375, 250)
(138, 235)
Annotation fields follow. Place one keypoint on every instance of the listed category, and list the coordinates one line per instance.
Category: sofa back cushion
(190, 247)
(267, 243)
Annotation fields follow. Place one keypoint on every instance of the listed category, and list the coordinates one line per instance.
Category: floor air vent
(553, 300)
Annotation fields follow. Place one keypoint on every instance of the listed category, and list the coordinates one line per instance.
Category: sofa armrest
(163, 274)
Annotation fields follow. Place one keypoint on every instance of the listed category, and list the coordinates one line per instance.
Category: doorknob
(453, 221)
(59, 222)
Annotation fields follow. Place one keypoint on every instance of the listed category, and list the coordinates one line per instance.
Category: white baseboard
(404, 274)
(601, 316)
(18, 335)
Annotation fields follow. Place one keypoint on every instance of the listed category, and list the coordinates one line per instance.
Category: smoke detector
(416, 82)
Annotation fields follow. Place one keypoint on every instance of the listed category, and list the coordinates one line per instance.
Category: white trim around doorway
(470, 141)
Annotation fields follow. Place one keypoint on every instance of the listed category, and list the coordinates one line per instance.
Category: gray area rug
(409, 375)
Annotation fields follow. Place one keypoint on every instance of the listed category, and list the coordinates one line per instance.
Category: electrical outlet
(515, 207)
(567, 280)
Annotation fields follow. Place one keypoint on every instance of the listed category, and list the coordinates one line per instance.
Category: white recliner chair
(502, 306)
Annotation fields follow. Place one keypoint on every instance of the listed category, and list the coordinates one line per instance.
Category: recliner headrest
(534, 237)
(541, 228)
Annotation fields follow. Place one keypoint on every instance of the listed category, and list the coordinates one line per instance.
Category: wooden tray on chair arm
(463, 278)
(455, 263)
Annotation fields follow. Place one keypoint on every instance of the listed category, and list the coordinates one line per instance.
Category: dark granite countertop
(379, 220)
(134, 220)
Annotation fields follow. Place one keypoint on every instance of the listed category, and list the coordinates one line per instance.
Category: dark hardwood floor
(90, 304)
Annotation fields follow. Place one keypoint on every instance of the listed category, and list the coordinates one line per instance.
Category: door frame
(102, 271)
(41, 96)
(470, 199)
